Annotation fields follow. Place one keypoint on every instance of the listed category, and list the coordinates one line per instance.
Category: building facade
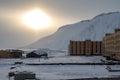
(4, 54)
(86, 47)
(111, 45)
(11, 53)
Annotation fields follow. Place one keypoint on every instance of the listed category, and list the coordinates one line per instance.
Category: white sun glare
(36, 19)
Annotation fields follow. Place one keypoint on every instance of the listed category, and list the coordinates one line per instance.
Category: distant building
(35, 54)
(108, 47)
(11, 53)
(111, 45)
(4, 54)
(16, 53)
(86, 47)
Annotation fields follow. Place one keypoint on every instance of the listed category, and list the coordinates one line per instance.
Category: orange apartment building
(108, 47)
(111, 45)
(86, 47)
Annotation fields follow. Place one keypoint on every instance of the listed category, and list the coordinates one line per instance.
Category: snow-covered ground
(56, 58)
(95, 59)
(56, 72)
(53, 72)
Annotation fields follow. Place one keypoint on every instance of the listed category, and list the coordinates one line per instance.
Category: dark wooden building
(35, 54)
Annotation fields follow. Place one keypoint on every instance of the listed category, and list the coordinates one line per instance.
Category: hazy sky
(13, 33)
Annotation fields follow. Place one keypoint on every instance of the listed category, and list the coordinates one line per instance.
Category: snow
(114, 67)
(58, 72)
(70, 72)
(46, 50)
(66, 60)
(93, 29)
(56, 57)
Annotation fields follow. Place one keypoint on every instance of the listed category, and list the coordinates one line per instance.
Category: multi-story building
(117, 44)
(111, 45)
(86, 47)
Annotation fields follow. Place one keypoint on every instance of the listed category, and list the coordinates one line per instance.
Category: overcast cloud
(13, 34)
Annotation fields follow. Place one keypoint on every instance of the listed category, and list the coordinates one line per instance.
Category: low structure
(16, 53)
(23, 75)
(35, 54)
(86, 47)
(4, 54)
(11, 53)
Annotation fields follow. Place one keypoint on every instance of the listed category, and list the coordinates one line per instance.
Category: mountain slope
(93, 29)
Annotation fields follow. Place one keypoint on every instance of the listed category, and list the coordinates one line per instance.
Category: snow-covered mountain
(93, 29)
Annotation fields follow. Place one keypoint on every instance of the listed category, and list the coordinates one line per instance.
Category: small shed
(35, 54)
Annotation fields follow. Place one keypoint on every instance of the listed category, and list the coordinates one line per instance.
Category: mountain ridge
(93, 29)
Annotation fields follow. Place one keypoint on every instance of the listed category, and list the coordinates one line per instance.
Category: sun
(36, 19)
